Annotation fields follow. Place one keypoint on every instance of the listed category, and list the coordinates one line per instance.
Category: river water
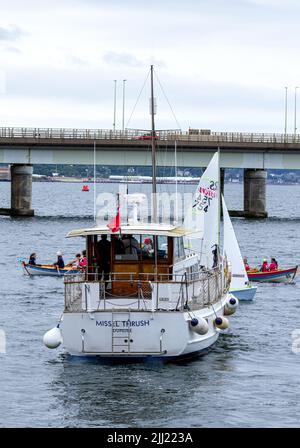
(249, 379)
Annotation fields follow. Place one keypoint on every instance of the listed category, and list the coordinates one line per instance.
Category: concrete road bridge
(254, 152)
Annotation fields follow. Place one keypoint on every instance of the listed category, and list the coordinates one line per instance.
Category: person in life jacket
(273, 266)
(82, 262)
(264, 266)
(247, 267)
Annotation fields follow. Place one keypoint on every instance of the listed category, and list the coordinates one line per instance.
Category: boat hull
(279, 276)
(244, 294)
(139, 335)
(47, 270)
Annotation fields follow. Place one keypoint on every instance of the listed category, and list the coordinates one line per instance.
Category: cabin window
(128, 247)
(147, 246)
(140, 247)
(179, 252)
(162, 245)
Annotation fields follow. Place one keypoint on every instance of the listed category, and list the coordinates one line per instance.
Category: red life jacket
(264, 267)
(273, 267)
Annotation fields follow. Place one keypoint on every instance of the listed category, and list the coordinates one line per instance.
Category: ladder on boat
(120, 332)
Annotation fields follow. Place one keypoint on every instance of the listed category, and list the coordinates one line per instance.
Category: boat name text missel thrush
(122, 323)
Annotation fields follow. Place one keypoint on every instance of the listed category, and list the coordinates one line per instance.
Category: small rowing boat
(278, 276)
(31, 269)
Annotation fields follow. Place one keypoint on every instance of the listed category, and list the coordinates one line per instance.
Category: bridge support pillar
(222, 180)
(255, 193)
(21, 190)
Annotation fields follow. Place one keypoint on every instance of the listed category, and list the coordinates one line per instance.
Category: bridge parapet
(39, 134)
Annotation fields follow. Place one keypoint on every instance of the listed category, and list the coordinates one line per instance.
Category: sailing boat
(240, 286)
(203, 218)
(153, 303)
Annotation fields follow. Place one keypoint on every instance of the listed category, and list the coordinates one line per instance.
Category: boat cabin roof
(136, 229)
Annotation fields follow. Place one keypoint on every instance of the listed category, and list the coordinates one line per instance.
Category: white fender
(221, 322)
(231, 305)
(199, 325)
(53, 337)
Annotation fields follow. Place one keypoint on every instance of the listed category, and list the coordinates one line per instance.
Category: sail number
(205, 196)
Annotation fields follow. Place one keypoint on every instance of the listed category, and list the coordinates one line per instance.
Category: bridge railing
(40, 134)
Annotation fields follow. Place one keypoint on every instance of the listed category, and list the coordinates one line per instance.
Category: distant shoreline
(135, 181)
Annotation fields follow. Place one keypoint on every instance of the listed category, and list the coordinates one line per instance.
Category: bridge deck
(238, 150)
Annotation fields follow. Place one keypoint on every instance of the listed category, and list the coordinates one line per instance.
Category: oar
(25, 269)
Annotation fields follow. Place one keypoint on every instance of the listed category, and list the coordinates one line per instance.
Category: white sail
(203, 217)
(232, 251)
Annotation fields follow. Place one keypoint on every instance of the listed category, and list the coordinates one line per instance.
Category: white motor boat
(152, 306)
(157, 300)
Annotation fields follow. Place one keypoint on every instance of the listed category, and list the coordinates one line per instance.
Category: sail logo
(2, 341)
(208, 192)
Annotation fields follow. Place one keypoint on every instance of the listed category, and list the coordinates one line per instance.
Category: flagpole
(176, 186)
(219, 200)
(118, 211)
(94, 181)
(153, 147)
(154, 190)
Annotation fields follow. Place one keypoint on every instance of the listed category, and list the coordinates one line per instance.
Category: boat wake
(283, 219)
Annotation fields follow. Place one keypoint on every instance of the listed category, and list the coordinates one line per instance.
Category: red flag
(115, 223)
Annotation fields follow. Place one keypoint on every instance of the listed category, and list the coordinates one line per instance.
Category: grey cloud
(13, 50)
(199, 104)
(128, 59)
(76, 61)
(13, 32)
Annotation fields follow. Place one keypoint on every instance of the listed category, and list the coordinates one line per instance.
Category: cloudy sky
(222, 64)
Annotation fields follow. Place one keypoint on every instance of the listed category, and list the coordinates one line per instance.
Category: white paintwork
(158, 334)
(244, 294)
(136, 229)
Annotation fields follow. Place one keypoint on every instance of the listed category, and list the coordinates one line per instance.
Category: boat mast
(153, 145)
(219, 202)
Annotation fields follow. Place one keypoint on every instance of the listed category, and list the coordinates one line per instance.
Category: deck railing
(40, 134)
(191, 290)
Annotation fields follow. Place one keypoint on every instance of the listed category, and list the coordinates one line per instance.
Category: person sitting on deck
(247, 267)
(60, 264)
(264, 266)
(32, 259)
(74, 263)
(82, 262)
(148, 248)
(273, 266)
(131, 245)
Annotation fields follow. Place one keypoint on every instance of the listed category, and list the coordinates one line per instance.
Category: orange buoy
(85, 188)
